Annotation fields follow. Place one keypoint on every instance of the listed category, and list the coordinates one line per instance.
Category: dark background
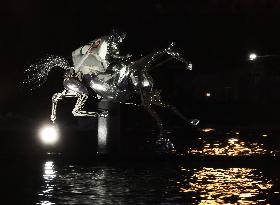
(216, 36)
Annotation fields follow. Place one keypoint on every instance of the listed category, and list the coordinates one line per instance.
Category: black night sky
(216, 36)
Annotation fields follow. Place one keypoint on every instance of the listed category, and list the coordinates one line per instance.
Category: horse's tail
(171, 50)
(36, 74)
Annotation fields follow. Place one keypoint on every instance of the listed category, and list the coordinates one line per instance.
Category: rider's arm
(81, 51)
(79, 56)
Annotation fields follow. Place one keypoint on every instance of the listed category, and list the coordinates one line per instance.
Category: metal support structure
(109, 129)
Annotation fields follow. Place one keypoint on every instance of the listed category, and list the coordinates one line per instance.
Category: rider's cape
(91, 58)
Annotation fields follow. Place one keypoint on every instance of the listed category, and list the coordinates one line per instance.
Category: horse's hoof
(104, 114)
(189, 67)
(194, 122)
(53, 118)
(164, 145)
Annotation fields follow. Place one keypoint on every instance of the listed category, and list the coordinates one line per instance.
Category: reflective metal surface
(100, 67)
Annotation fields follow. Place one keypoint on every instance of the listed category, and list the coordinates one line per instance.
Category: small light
(207, 129)
(208, 94)
(252, 56)
(49, 134)
(264, 135)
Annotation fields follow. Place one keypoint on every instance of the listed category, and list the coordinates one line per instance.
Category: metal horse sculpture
(98, 66)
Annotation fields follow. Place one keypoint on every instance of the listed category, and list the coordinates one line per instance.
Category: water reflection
(225, 186)
(91, 185)
(154, 184)
(230, 147)
(49, 174)
(207, 130)
(104, 185)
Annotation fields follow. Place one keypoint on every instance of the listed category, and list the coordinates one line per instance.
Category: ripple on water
(226, 186)
(155, 184)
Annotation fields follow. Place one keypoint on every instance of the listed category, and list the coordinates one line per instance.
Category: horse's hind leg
(81, 92)
(55, 98)
(79, 106)
(176, 112)
(163, 141)
(157, 119)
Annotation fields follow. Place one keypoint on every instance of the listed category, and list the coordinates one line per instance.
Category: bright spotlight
(252, 56)
(49, 134)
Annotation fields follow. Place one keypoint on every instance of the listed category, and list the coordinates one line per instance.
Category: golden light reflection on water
(225, 186)
(232, 147)
(207, 130)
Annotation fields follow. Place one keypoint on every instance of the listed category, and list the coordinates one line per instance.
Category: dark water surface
(57, 182)
(223, 170)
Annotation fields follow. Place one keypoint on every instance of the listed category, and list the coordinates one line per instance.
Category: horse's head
(114, 40)
(117, 36)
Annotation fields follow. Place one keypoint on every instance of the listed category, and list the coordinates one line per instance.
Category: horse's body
(99, 67)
